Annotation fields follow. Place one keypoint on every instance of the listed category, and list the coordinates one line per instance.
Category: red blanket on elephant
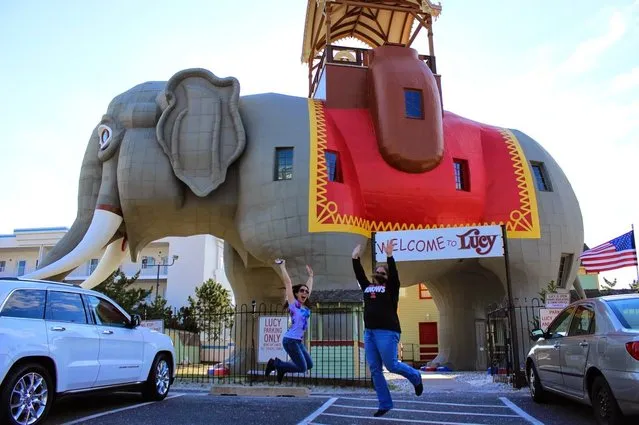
(369, 195)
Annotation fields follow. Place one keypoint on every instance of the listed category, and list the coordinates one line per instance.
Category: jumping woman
(293, 341)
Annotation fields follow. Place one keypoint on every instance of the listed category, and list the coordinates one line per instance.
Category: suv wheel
(157, 384)
(27, 396)
(606, 409)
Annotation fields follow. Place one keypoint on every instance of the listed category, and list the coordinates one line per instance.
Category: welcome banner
(442, 243)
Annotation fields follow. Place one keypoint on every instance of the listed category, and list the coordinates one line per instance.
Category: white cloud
(627, 81)
(587, 53)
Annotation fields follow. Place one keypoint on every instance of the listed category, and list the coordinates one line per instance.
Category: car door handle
(107, 332)
(58, 329)
(583, 344)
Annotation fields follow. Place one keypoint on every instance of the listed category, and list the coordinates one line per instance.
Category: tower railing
(350, 56)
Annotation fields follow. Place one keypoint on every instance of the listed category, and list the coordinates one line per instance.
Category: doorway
(428, 341)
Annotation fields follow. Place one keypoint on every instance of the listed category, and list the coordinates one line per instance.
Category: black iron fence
(234, 346)
(498, 334)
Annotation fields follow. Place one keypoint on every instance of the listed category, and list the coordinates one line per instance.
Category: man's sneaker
(380, 412)
(419, 389)
(270, 367)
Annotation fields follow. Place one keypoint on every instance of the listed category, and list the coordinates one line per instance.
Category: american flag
(615, 254)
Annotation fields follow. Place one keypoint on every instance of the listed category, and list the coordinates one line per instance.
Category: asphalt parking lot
(338, 409)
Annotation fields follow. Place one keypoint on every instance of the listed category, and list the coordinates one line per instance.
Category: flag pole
(632, 226)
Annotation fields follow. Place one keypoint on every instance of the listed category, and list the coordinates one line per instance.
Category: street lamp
(157, 278)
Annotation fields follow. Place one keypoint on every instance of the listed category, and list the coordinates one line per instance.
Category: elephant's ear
(200, 128)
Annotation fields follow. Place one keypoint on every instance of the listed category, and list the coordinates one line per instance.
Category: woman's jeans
(301, 360)
(381, 348)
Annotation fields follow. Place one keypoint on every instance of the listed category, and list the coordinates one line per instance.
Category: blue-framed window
(541, 177)
(333, 166)
(462, 175)
(148, 262)
(22, 265)
(414, 104)
(93, 264)
(283, 163)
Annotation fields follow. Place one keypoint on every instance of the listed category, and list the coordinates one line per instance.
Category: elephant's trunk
(88, 189)
(406, 109)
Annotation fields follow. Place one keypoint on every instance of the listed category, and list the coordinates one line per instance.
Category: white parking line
(520, 412)
(417, 421)
(318, 412)
(498, 406)
(440, 412)
(122, 409)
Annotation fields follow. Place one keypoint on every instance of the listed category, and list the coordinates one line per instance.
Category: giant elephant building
(370, 148)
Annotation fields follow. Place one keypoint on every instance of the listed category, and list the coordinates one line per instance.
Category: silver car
(590, 353)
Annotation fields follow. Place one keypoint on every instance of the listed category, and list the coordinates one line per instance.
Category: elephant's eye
(105, 136)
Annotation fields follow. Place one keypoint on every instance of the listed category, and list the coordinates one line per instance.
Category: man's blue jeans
(381, 348)
(301, 360)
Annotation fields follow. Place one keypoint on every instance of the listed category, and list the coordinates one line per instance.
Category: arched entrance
(461, 288)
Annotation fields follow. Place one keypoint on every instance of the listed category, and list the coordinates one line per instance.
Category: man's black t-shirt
(380, 301)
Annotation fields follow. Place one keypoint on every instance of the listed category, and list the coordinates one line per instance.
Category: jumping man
(382, 329)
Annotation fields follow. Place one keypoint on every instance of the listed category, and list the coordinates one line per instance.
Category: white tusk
(103, 226)
(112, 258)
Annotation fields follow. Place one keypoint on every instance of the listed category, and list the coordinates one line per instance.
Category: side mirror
(135, 320)
(536, 334)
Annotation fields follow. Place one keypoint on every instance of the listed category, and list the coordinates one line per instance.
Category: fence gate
(499, 341)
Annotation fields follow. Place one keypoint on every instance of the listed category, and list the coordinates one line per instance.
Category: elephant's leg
(259, 284)
(461, 296)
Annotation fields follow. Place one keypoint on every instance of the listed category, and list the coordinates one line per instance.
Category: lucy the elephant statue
(277, 175)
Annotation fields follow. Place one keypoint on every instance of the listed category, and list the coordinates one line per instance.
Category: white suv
(58, 339)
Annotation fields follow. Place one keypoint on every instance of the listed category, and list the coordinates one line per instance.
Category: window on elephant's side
(565, 263)
(333, 166)
(462, 175)
(541, 177)
(283, 163)
(414, 104)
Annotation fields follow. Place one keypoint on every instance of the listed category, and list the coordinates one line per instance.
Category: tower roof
(374, 22)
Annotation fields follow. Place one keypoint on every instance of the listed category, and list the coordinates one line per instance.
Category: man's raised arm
(359, 270)
(393, 274)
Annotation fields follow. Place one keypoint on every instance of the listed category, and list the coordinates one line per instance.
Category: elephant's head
(185, 133)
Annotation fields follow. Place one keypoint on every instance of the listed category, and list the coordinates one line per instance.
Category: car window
(627, 311)
(65, 307)
(559, 327)
(583, 322)
(105, 313)
(25, 303)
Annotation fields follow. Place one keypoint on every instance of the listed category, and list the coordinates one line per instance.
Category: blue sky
(564, 72)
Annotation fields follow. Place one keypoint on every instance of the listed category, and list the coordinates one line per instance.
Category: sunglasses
(303, 291)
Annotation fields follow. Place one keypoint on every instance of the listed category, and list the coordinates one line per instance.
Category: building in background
(199, 258)
(587, 280)
(419, 319)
